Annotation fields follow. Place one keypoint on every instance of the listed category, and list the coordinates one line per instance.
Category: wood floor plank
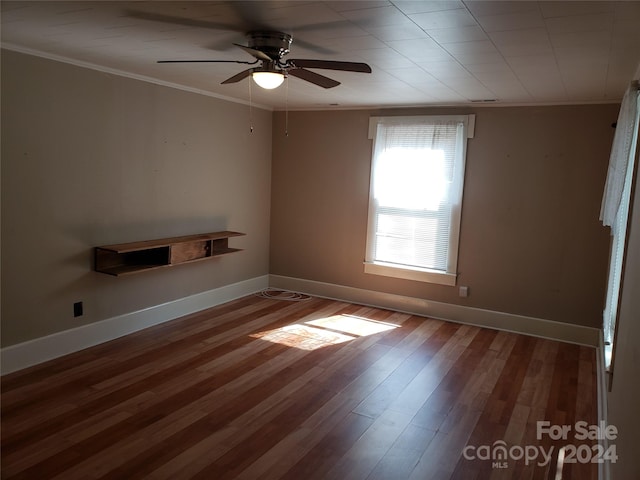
(287, 373)
(323, 420)
(403, 456)
(331, 449)
(456, 427)
(316, 389)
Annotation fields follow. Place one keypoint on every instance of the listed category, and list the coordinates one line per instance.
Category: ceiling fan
(268, 48)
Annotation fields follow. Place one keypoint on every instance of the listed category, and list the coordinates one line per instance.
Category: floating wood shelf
(134, 257)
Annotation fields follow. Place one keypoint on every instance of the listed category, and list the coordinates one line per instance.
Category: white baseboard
(602, 379)
(32, 352)
(537, 327)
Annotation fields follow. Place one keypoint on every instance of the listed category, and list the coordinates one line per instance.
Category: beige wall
(531, 243)
(89, 159)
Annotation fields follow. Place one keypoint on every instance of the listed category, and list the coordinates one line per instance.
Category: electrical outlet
(463, 292)
(77, 309)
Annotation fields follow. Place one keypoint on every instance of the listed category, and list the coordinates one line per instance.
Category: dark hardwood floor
(318, 389)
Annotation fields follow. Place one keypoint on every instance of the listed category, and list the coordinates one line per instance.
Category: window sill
(407, 273)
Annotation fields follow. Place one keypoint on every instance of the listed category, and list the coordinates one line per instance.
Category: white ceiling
(421, 52)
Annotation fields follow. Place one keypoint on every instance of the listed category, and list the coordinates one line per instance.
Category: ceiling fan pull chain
(286, 107)
(250, 111)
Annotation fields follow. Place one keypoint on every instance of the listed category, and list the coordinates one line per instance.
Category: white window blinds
(416, 192)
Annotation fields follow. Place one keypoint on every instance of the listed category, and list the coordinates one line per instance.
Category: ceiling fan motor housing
(274, 44)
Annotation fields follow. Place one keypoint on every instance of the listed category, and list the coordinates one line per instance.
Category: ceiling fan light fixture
(268, 80)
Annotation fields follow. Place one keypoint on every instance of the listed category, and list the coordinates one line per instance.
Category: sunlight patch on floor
(362, 327)
(324, 332)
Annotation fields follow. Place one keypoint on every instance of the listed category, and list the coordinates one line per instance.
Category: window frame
(376, 267)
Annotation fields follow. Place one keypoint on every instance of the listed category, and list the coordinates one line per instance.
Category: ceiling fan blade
(315, 78)
(255, 53)
(207, 61)
(239, 76)
(188, 22)
(332, 65)
(312, 47)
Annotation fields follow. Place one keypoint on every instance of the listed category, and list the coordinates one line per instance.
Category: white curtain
(417, 180)
(621, 153)
(615, 205)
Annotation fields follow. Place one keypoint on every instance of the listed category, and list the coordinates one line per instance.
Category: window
(417, 177)
(615, 207)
